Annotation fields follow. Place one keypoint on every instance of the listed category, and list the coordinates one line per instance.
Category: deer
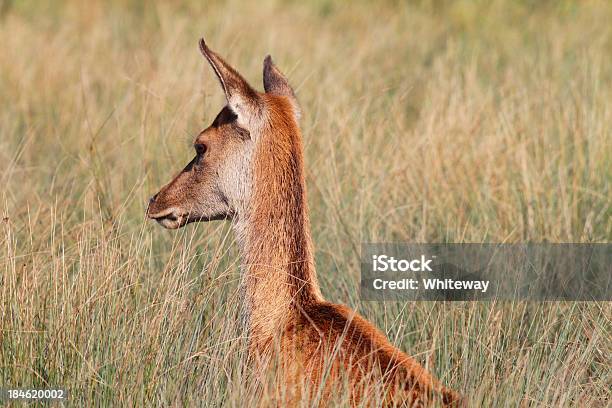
(249, 169)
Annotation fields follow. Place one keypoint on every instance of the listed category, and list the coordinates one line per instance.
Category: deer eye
(242, 132)
(200, 149)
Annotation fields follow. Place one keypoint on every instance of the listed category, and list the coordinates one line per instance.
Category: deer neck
(277, 260)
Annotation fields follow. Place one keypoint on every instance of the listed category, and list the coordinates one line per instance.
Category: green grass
(436, 121)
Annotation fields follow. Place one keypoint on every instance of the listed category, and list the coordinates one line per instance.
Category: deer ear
(276, 83)
(241, 97)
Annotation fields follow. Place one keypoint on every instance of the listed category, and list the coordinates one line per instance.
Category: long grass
(433, 121)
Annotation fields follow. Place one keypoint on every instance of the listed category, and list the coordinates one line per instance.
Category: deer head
(217, 183)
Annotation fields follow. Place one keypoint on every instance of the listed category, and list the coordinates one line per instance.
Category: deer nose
(151, 201)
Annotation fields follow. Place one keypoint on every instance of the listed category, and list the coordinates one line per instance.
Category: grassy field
(431, 122)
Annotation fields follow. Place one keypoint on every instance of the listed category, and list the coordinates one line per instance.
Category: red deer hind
(248, 168)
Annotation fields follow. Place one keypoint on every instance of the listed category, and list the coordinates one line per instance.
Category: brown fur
(317, 342)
